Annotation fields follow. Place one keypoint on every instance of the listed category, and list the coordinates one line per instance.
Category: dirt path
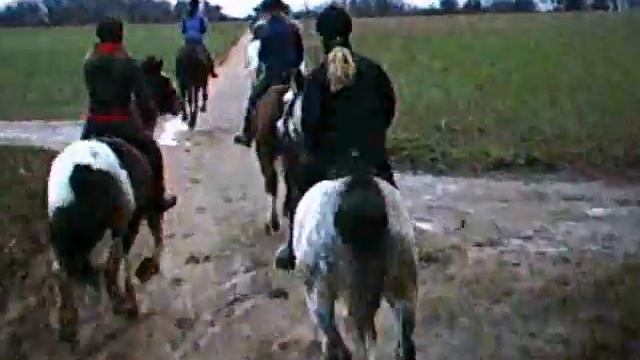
(491, 253)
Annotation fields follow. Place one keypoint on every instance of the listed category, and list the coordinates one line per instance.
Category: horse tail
(362, 223)
(341, 68)
(77, 227)
(362, 220)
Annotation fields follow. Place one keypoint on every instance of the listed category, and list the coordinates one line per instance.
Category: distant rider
(194, 28)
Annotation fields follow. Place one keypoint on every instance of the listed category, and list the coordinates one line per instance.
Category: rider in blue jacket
(194, 28)
(281, 54)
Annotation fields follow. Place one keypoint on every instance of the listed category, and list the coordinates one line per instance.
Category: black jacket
(354, 118)
(111, 80)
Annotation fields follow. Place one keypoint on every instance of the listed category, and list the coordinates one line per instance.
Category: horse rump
(361, 219)
(77, 227)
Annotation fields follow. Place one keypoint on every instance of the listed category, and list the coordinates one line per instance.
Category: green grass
(500, 91)
(41, 69)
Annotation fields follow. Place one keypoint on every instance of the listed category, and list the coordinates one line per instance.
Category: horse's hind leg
(194, 107)
(185, 100)
(151, 266)
(266, 159)
(205, 97)
(123, 241)
(401, 294)
(321, 306)
(68, 314)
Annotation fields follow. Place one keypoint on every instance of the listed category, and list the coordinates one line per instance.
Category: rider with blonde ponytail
(348, 105)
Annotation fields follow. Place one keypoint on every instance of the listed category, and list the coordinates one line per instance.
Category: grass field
(41, 69)
(497, 91)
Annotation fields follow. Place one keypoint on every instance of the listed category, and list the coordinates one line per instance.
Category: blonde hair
(341, 68)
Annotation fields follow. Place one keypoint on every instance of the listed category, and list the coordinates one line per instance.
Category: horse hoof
(129, 311)
(267, 229)
(275, 226)
(147, 269)
(203, 110)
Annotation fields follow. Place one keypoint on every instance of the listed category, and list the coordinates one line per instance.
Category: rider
(111, 77)
(348, 105)
(194, 27)
(281, 53)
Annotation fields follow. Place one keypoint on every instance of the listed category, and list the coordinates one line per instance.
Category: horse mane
(341, 68)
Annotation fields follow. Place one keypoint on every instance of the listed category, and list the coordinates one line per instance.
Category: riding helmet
(271, 5)
(110, 30)
(334, 22)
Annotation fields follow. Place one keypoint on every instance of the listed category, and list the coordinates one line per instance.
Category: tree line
(83, 12)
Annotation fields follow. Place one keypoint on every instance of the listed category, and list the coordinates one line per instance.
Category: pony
(354, 241)
(192, 72)
(94, 186)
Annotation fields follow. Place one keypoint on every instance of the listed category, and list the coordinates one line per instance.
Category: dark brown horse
(162, 90)
(192, 72)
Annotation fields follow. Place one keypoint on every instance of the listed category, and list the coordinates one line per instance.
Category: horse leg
(151, 266)
(68, 314)
(194, 107)
(401, 294)
(205, 97)
(185, 100)
(266, 159)
(321, 305)
(123, 241)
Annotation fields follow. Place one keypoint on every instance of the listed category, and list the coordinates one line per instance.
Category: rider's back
(357, 116)
(110, 81)
(279, 50)
(193, 28)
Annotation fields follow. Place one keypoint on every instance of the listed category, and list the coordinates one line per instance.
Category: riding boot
(164, 201)
(245, 137)
(285, 257)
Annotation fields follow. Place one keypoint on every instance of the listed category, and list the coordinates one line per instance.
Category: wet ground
(509, 269)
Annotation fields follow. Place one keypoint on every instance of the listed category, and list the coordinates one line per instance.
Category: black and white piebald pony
(354, 241)
(95, 186)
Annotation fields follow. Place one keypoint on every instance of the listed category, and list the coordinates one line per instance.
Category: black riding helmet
(273, 5)
(334, 25)
(333, 22)
(110, 30)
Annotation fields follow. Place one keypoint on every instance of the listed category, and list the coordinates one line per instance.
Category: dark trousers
(262, 85)
(136, 137)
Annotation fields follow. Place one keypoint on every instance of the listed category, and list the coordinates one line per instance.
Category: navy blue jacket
(281, 46)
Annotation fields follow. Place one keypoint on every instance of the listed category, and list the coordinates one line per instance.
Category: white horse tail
(341, 68)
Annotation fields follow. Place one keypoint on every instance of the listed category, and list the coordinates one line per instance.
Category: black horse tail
(76, 228)
(363, 224)
(362, 220)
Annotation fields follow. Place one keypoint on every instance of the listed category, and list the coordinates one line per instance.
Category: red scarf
(108, 48)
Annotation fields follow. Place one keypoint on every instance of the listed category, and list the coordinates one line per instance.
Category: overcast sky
(241, 8)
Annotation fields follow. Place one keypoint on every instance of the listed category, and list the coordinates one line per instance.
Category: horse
(94, 186)
(354, 241)
(162, 89)
(192, 72)
(273, 144)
